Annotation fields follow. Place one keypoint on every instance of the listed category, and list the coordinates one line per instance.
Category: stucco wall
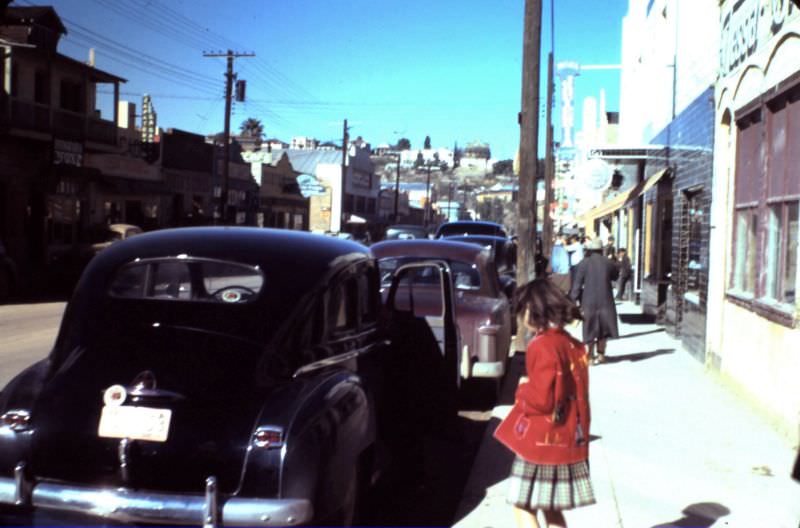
(759, 355)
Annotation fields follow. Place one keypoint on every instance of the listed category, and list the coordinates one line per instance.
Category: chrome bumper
(125, 505)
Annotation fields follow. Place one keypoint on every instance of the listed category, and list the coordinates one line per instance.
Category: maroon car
(482, 309)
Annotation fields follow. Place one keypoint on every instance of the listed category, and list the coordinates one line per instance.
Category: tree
(403, 144)
(252, 128)
(420, 161)
(503, 167)
(427, 143)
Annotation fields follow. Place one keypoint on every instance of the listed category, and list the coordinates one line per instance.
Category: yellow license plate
(136, 423)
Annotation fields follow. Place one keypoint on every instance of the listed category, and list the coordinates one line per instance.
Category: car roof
(257, 246)
(442, 248)
(283, 254)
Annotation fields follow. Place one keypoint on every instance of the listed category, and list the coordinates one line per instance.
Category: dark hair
(545, 304)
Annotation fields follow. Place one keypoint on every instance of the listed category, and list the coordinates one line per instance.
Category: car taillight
(268, 437)
(16, 420)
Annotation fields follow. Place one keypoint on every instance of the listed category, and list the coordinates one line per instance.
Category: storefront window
(744, 277)
(790, 266)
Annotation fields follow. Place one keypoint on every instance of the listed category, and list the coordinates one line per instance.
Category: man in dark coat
(592, 287)
(625, 272)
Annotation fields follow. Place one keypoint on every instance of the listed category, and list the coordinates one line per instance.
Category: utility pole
(229, 78)
(528, 153)
(428, 195)
(549, 164)
(342, 214)
(397, 188)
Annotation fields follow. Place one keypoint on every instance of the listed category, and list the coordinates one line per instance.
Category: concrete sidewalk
(671, 446)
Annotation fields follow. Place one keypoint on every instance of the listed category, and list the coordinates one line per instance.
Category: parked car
(405, 232)
(482, 309)
(504, 254)
(470, 227)
(8, 274)
(231, 376)
(67, 263)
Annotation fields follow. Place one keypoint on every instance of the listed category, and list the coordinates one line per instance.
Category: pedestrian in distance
(548, 427)
(559, 265)
(592, 287)
(575, 252)
(625, 273)
(610, 250)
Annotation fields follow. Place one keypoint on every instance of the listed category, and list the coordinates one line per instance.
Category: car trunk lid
(203, 385)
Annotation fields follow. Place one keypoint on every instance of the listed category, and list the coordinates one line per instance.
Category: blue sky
(448, 69)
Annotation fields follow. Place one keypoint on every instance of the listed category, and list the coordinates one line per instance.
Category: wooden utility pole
(229, 78)
(528, 150)
(549, 164)
(397, 188)
(342, 214)
(528, 142)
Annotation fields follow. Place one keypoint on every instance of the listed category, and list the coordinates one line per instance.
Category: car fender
(325, 431)
(20, 394)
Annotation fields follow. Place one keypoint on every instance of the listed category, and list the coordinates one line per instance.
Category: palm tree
(252, 128)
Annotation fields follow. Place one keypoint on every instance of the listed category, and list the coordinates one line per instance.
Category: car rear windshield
(465, 275)
(188, 279)
(470, 229)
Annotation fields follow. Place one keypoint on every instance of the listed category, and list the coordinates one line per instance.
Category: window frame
(765, 191)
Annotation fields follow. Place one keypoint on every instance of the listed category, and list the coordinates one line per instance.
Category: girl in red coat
(551, 469)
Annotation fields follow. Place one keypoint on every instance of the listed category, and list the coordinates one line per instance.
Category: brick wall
(688, 148)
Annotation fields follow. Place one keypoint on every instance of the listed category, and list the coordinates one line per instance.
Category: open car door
(423, 377)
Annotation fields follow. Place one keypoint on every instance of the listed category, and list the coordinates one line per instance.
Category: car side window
(368, 295)
(343, 306)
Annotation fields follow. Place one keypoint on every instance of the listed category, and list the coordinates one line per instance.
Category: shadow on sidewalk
(637, 318)
(701, 515)
(637, 334)
(638, 356)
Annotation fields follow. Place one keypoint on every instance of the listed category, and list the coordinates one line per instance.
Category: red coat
(557, 367)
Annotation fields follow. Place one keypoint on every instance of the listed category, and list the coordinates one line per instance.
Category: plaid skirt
(547, 487)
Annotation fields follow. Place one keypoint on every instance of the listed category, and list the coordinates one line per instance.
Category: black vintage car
(224, 376)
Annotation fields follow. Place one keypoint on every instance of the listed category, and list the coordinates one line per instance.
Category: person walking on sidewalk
(625, 272)
(591, 286)
(551, 435)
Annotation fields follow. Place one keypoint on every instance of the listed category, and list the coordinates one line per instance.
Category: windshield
(465, 275)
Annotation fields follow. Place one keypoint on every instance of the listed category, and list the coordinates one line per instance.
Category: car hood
(207, 382)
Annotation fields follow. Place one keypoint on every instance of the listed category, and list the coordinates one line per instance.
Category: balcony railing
(102, 131)
(68, 125)
(29, 116)
(75, 126)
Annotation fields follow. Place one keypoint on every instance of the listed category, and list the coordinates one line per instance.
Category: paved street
(27, 332)
(671, 446)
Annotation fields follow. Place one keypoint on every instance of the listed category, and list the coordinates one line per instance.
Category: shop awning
(623, 198)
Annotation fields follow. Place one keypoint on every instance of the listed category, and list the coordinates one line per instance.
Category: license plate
(136, 423)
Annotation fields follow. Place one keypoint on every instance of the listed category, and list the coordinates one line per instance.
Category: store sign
(360, 180)
(67, 153)
(310, 186)
(749, 24)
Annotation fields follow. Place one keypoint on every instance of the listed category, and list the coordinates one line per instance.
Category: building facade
(754, 241)
(669, 54)
(50, 121)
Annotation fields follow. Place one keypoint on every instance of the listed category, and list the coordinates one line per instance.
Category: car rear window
(465, 275)
(187, 279)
